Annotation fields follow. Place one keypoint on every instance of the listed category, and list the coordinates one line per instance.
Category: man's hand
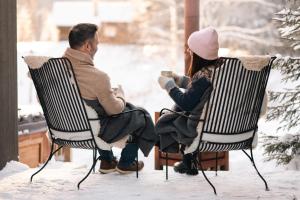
(119, 91)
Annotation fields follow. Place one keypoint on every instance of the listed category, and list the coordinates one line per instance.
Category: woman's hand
(176, 78)
(166, 83)
(181, 81)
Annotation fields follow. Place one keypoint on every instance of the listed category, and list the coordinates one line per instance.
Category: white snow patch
(12, 167)
(59, 180)
(294, 164)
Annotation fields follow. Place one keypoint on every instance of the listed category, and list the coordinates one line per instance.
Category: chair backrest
(235, 103)
(59, 96)
(70, 120)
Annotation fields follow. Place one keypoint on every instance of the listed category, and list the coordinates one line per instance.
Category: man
(96, 90)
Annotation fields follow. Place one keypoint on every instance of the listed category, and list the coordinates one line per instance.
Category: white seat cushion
(218, 138)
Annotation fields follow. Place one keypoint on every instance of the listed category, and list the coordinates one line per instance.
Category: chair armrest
(128, 111)
(116, 115)
(94, 119)
(179, 113)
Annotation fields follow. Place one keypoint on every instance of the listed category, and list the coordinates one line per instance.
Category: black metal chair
(65, 112)
(229, 119)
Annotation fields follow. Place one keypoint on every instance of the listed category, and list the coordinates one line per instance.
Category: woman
(176, 131)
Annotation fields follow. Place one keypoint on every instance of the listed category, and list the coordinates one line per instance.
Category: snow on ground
(58, 181)
(137, 73)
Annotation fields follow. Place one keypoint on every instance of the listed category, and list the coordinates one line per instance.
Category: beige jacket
(94, 83)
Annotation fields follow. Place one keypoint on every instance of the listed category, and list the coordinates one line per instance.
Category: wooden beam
(191, 24)
(8, 82)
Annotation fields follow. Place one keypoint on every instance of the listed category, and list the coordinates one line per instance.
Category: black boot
(188, 165)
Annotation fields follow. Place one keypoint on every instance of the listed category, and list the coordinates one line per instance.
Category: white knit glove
(181, 81)
(176, 78)
(166, 83)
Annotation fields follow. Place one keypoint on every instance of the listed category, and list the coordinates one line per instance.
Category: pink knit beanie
(205, 43)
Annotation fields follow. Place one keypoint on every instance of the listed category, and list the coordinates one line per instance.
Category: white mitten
(166, 83)
(181, 81)
(176, 78)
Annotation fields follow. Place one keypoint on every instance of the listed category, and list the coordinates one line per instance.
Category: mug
(166, 73)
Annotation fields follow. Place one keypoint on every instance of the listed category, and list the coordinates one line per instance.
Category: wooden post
(8, 82)
(191, 24)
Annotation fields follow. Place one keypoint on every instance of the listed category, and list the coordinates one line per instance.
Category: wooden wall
(8, 82)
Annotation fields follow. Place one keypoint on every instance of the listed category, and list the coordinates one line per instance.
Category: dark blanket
(174, 129)
(133, 123)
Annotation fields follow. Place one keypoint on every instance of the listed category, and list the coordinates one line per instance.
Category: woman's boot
(188, 165)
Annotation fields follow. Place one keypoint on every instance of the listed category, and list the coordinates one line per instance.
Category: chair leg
(216, 164)
(206, 176)
(167, 172)
(137, 163)
(252, 160)
(94, 156)
(93, 166)
(49, 158)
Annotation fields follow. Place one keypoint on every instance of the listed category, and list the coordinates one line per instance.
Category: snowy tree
(34, 20)
(159, 20)
(160, 26)
(243, 25)
(286, 103)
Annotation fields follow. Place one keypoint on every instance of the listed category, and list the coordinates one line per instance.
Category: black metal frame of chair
(235, 124)
(50, 95)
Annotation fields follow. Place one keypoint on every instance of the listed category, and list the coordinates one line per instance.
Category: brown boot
(130, 168)
(108, 166)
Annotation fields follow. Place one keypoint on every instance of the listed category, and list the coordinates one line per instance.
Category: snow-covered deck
(58, 181)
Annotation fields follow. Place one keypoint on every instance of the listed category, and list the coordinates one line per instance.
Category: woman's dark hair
(198, 63)
(80, 33)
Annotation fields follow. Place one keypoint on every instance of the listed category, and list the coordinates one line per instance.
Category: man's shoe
(188, 165)
(131, 168)
(108, 166)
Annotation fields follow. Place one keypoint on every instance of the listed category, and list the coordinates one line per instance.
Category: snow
(287, 138)
(12, 167)
(136, 68)
(30, 109)
(58, 181)
(294, 164)
(104, 12)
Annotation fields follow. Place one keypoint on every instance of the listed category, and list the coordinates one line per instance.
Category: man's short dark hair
(80, 33)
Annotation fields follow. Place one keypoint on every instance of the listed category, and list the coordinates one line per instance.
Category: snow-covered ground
(58, 181)
(137, 73)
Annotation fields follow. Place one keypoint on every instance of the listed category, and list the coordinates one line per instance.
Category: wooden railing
(34, 149)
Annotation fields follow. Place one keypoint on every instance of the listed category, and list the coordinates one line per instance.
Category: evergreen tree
(286, 103)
